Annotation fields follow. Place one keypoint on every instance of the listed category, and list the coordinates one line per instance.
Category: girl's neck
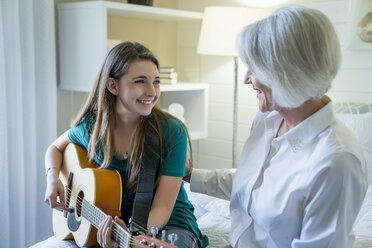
(124, 129)
(126, 120)
(292, 117)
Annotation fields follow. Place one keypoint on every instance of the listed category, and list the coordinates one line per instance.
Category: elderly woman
(301, 178)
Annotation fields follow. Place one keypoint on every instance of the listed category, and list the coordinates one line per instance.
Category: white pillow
(361, 126)
(205, 203)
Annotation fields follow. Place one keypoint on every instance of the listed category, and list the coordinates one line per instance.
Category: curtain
(28, 103)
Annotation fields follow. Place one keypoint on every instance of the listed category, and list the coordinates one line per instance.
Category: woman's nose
(247, 78)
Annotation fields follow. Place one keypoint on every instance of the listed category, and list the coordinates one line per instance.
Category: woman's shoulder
(341, 153)
(339, 139)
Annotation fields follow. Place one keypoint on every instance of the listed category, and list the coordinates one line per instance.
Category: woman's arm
(53, 164)
(334, 198)
(217, 183)
(164, 200)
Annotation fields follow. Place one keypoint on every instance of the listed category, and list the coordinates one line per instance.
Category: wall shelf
(194, 98)
(133, 10)
(84, 33)
(86, 30)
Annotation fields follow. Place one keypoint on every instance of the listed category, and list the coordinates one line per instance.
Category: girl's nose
(150, 90)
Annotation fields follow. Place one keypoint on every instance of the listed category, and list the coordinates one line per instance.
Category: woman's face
(263, 92)
(139, 89)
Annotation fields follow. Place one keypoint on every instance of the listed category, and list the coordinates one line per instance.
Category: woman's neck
(292, 117)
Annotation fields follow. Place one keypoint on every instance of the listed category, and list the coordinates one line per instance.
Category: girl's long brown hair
(100, 109)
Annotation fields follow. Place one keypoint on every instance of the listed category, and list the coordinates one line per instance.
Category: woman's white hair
(295, 52)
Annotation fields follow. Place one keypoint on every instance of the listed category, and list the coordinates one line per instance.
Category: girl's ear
(112, 86)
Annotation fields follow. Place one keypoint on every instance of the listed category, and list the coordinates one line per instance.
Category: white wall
(354, 81)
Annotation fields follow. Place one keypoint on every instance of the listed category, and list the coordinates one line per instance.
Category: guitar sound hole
(79, 203)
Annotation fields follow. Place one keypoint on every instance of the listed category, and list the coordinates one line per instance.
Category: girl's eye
(157, 81)
(139, 81)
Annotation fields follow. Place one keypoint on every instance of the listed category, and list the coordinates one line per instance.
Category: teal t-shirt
(174, 165)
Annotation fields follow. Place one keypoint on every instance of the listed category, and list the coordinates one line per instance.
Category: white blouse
(302, 189)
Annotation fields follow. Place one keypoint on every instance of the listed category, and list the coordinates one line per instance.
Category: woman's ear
(112, 86)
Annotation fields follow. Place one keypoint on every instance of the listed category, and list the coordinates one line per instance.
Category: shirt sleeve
(79, 134)
(217, 183)
(175, 149)
(333, 200)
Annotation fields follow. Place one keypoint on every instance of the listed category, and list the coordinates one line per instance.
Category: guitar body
(100, 187)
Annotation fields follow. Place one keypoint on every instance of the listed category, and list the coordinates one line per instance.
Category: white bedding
(213, 219)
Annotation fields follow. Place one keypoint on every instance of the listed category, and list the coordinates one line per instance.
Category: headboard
(352, 107)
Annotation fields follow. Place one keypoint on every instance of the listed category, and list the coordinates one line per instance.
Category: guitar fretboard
(95, 217)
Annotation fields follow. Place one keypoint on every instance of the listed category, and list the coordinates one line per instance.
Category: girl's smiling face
(263, 92)
(138, 90)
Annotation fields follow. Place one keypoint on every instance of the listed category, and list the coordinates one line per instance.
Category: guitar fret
(95, 216)
(92, 214)
(119, 235)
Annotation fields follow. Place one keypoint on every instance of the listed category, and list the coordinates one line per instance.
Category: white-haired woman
(301, 178)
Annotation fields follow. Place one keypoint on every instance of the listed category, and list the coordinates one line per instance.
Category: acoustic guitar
(92, 194)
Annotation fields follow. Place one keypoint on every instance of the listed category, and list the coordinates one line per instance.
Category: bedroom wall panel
(220, 112)
(221, 93)
(189, 65)
(338, 11)
(353, 80)
(215, 127)
(212, 162)
(215, 147)
(352, 59)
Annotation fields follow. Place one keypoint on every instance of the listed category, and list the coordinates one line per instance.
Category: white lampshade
(220, 28)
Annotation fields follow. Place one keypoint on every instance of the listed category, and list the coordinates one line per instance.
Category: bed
(213, 213)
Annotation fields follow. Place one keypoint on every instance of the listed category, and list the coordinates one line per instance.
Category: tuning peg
(143, 242)
(172, 238)
(152, 245)
(163, 235)
(154, 231)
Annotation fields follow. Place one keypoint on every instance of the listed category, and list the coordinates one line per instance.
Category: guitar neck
(95, 217)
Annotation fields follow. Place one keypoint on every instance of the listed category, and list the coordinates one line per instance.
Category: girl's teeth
(145, 102)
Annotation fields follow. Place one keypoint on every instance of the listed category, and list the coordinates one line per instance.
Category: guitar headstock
(150, 240)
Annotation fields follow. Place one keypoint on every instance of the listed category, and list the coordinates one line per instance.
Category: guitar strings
(79, 203)
(118, 235)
